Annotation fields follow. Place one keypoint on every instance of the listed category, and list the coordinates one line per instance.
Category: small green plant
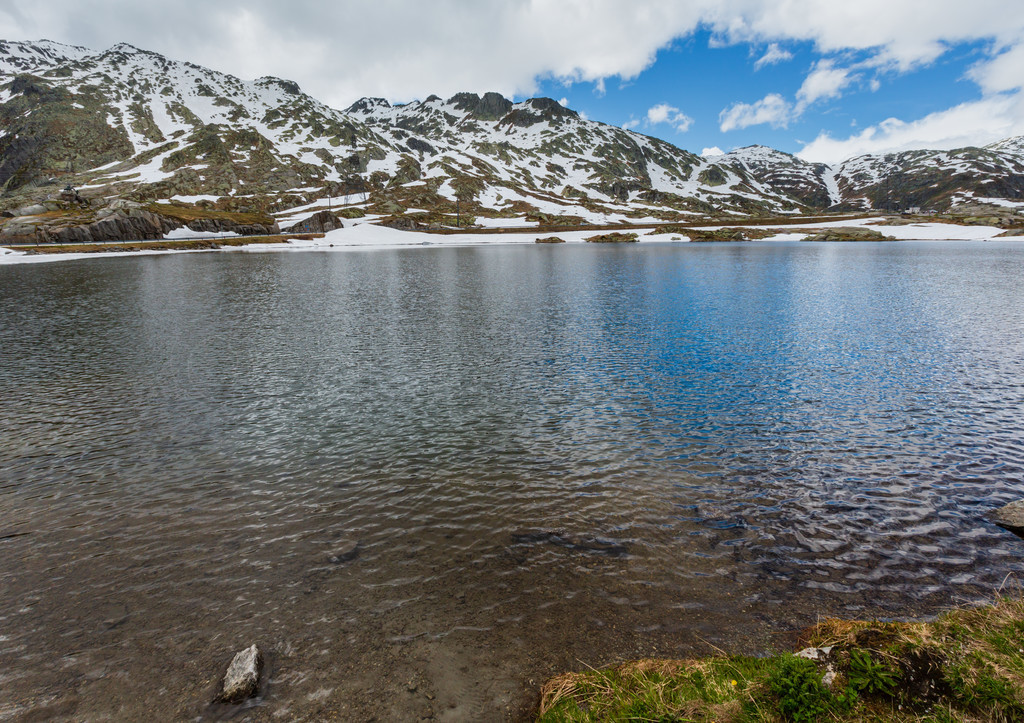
(797, 685)
(870, 676)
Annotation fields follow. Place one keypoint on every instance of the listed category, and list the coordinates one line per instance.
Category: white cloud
(631, 124)
(665, 113)
(773, 109)
(712, 151)
(824, 81)
(406, 49)
(1002, 73)
(564, 102)
(904, 33)
(402, 49)
(773, 55)
(975, 123)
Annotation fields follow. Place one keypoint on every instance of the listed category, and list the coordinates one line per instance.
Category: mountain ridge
(129, 123)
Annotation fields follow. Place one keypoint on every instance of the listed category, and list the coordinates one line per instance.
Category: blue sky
(820, 78)
(699, 79)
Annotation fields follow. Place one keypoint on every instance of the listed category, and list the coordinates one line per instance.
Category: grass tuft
(965, 666)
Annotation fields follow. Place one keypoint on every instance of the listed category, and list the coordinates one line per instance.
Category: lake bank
(368, 236)
(966, 665)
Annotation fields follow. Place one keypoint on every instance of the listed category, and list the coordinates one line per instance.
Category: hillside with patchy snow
(131, 124)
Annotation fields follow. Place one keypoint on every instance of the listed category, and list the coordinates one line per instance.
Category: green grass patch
(968, 665)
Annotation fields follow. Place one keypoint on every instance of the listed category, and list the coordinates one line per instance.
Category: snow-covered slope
(131, 123)
(933, 178)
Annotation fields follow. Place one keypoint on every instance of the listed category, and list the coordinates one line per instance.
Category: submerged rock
(593, 545)
(242, 680)
(345, 553)
(1011, 517)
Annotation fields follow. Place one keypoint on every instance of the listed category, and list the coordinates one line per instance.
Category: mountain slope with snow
(130, 123)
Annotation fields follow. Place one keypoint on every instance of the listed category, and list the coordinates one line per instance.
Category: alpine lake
(424, 480)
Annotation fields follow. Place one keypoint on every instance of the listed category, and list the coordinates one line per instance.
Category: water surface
(425, 479)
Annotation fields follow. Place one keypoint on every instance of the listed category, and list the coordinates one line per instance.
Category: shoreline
(367, 236)
(966, 664)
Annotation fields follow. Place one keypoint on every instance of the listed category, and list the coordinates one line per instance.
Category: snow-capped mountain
(933, 178)
(130, 123)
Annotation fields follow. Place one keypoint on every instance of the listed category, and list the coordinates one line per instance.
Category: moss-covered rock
(612, 238)
(848, 233)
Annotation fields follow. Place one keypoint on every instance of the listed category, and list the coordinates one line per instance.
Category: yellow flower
(733, 682)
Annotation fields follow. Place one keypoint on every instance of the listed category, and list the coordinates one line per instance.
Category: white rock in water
(243, 677)
(1011, 517)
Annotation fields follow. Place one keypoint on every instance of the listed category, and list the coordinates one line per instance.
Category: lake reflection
(527, 457)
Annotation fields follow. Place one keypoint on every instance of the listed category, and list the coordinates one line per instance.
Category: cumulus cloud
(396, 49)
(1001, 73)
(404, 49)
(631, 124)
(824, 81)
(665, 113)
(967, 124)
(712, 151)
(773, 109)
(773, 55)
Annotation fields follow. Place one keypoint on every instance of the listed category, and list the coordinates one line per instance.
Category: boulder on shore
(1011, 517)
(612, 238)
(242, 680)
(849, 233)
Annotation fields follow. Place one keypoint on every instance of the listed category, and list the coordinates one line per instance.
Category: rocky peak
(538, 110)
(126, 48)
(493, 106)
(368, 105)
(288, 86)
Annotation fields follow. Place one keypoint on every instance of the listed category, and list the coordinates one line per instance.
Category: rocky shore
(62, 222)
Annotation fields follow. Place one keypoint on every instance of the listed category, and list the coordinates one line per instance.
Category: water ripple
(493, 448)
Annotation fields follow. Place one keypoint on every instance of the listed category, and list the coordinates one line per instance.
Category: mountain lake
(425, 480)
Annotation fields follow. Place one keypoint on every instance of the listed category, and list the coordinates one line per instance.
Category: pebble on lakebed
(242, 679)
(1011, 517)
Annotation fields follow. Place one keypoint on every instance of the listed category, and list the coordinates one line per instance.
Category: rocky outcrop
(121, 221)
(849, 233)
(134, 225)
(220, 225)
(491, 107)
(550, 240)
(612, 238)
(320, 222)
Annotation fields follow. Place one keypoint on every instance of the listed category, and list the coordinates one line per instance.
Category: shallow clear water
(425, 479)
